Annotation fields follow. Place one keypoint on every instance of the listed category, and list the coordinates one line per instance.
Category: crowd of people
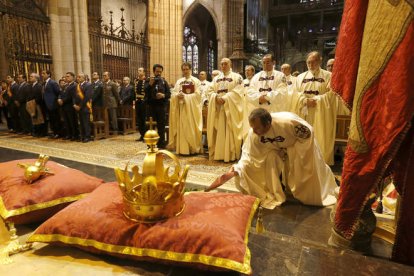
(229, 99)
(41, 106)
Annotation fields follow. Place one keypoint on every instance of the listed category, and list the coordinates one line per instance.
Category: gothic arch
(191, 9)
(203, 24)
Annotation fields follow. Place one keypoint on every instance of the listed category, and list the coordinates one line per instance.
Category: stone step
(279, 254)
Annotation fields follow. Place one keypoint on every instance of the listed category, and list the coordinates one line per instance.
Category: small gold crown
(153, 195)
(34, 172)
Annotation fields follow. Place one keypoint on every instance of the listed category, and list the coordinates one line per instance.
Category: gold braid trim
(155, 253)
(5, 214)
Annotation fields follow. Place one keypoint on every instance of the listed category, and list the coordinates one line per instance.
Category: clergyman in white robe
(225, 121)
(185, 118)
(289, 148)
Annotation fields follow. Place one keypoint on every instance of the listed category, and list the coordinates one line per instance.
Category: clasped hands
(220, 100)
(262, 98)
(159, 96)
(311, 103)
(180, 95)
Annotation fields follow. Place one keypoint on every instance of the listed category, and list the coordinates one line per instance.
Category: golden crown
(153, 195)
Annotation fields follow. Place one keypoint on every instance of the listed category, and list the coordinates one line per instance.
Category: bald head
(330, 64)
(286, 69)
(313, 61)
(225, 65)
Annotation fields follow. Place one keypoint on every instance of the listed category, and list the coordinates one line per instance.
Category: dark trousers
(157, 112)
(113, 119)
(40, 130)
(71, 122)
(54, 121)
(85, 126)
(25, 119)
(14, 116)
(141, 112)
(5, 112)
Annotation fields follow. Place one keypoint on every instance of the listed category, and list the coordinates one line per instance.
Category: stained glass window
(211, 57)
(190, 49)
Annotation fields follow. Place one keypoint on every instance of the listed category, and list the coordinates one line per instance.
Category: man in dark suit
(22, 95)
(69, 114)
(11, 98)
(38, 120)
(157, 93)
(82, 104)
(97, 86)
(51, 95)
(127, 94)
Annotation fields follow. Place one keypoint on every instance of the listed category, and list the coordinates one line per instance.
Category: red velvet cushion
(211, 233)
(25, 203)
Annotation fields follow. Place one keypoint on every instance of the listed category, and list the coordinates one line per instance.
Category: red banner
(373, 73)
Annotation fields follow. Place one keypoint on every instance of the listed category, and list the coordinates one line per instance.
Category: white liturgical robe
(185, 119)
(323, 116)
(288, 148)
(204, 89)
(272, 86)
(225, 122)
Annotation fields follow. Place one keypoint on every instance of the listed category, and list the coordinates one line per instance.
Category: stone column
(165, 32)
(69, 36)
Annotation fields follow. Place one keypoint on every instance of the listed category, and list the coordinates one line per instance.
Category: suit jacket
(127, 95)
(67, 96)
(97, 96)
(110, 94)
(82, 100)
(51, 94)
(23, 92)
(35, 93)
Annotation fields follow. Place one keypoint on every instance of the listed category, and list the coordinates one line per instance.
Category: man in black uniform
(157, 93)
(140, 105)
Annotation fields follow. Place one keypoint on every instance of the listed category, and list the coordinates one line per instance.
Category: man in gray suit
(111, 100)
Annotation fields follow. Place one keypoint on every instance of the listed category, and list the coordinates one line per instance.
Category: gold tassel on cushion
(13, 247)
(259, 223)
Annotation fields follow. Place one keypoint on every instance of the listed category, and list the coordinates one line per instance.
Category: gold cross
(151, 123)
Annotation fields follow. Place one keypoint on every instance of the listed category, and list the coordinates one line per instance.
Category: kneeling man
(283, 143)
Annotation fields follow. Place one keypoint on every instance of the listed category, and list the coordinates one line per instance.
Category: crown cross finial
(151, 123)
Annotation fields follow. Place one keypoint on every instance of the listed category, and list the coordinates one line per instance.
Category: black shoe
(86, 140)
(67, 138)
(73, 139)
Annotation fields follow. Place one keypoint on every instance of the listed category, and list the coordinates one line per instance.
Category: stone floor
(295, 243)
